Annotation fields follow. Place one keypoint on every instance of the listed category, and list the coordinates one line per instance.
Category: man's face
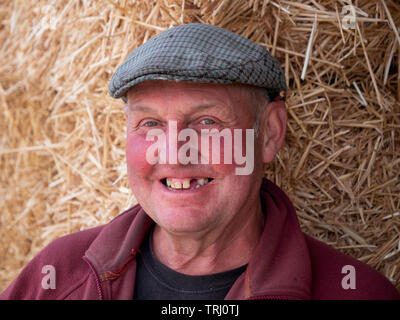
(228, 197)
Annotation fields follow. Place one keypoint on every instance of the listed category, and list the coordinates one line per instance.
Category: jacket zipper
(98, 286)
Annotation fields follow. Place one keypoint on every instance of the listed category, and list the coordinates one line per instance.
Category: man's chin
(182, 220)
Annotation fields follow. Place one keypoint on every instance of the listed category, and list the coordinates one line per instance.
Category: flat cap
(199, 53)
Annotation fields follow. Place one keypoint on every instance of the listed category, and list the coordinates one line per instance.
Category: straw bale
(62, 138)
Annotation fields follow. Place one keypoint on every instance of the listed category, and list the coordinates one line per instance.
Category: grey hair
(259, 99)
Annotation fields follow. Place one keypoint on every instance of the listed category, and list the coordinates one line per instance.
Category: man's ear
(273, 129)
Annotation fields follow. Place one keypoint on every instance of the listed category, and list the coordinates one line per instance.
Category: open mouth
(185, 184)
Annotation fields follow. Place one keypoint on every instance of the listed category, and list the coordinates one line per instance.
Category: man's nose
(172, 143)
(175, 125)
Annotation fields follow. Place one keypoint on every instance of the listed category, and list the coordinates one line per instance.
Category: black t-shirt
(155, 281)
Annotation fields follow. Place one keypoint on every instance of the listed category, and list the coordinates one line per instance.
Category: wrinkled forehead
(163, 91)
(155, 86)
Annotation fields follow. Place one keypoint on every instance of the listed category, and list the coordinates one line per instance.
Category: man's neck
(212, 251)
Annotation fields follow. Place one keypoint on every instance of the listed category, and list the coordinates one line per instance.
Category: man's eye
(151, 123)
(207, 121)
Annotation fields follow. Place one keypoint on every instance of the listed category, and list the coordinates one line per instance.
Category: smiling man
(208, 218)
(197, 98)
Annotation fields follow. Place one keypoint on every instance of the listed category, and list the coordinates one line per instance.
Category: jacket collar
(279, 268)
(118, 242)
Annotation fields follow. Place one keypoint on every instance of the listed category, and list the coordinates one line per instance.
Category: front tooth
(205, 180)
(200, 181)
(186, 184)
(177, 185)
(169, 182)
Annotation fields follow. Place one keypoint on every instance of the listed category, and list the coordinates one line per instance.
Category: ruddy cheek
(224, 163)
(136, 147)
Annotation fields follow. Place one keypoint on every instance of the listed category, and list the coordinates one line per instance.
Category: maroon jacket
(99, 263)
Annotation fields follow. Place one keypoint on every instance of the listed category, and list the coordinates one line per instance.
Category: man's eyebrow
(212, 106)
(207, 106)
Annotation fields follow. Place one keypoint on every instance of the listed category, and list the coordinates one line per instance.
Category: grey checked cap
(199, 53)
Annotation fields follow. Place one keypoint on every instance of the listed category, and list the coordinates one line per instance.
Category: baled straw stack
(62, 162)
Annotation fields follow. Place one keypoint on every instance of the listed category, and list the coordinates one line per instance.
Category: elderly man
(208, 226)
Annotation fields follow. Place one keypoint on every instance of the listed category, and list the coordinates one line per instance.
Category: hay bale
(62, 160)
